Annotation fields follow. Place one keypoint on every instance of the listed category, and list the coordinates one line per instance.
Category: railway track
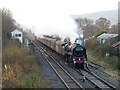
(65, 77)
(96, 80)
(90, 76)
(94, 65)
(101, 68)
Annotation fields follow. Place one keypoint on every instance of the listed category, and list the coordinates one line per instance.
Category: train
(73, 53)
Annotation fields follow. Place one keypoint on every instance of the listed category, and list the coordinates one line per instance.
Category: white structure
(17, 34)
(102, 38)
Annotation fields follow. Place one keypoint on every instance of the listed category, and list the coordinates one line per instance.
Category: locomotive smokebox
(74, 49)
(77, 50)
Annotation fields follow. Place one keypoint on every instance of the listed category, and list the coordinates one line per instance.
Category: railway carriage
(53, 44)
(58, 47)
(48, 43)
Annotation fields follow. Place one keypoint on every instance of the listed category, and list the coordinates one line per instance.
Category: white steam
(80, 32)
(64, 26)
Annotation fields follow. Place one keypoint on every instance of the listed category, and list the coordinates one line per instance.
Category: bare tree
(114, 29)
(83, 24)
(83, 21)
(103, 23)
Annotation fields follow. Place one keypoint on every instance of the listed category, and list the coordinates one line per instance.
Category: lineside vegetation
(20, 68)
(104, 53)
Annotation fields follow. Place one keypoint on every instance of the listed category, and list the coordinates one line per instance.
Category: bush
(15, 60)
(14, 54)
(9, 78)
(100, 33)
(20, 68)
(33, 81)
(113, 62)
(101, 50)
(92, 44)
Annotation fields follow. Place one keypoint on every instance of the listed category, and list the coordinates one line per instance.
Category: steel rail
(105, 82)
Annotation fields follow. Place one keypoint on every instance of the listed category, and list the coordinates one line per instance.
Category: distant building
(105, 36)
(17, 34)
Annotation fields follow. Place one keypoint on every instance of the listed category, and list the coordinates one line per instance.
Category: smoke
(64, 26)
(80, 32)
(46, 17)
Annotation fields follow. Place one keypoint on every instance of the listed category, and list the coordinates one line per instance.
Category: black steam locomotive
(76, 54)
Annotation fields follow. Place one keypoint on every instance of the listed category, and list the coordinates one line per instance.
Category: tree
(8, 24)
(114, 29)
(91, 30)
(83, 21)
(103, 23)
(83, 27)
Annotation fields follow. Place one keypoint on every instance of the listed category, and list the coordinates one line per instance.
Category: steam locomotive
(73, 53)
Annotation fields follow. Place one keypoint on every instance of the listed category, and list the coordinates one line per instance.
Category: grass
(21, 68)
(33, 79)
(111, 64)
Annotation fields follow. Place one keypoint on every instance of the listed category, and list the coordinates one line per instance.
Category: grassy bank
(20, 68)
(110, 63)
(103, 53)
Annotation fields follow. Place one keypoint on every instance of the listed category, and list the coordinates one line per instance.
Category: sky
(54, 16)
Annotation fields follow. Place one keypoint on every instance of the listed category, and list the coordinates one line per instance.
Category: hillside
(110, 15)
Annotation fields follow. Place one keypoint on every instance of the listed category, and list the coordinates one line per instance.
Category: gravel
(48, 73)
(105, 77)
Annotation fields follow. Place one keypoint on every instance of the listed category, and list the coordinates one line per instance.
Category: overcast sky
(53, 16)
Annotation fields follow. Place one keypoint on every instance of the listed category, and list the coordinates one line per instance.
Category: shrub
(33, 81)
(100, 50)
(92, 44)
(22, 68)
(9, 78)
(113, 62)
(100, 33)
(14, 54)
